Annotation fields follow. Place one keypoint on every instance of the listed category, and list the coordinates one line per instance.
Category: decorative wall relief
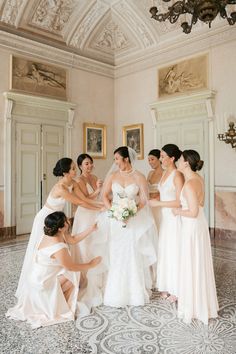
(186, 76)
(37, 78)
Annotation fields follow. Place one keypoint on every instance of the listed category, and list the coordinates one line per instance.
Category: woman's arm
(96, 182)
(192, 201)
(143, 191)
(86, 202)
(77, 238)
(66, 261)
(107, 192)
(178, 182)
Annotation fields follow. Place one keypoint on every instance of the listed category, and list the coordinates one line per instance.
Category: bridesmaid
(65, 190)
(197, 292)
(53, 277)
(90, 187)
(153, 179)
(170, 187)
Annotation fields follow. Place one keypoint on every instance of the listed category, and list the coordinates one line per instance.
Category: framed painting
(95, 140)
(37, 78)
(183, 77)
(133, 137)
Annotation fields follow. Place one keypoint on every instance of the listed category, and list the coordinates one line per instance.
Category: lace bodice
(131, 191)
(167, 188)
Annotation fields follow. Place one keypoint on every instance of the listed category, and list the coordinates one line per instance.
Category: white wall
(134, 92)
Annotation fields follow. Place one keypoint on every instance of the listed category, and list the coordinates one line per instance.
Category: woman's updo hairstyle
(53, 222)
(81, 158)
(62, 166)
(155, 152)
(172, 150)
(123, 151)
(193, 158)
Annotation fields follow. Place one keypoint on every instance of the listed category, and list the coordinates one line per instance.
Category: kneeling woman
(54, 280)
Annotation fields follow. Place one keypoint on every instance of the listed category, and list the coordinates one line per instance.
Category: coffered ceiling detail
(110, 31)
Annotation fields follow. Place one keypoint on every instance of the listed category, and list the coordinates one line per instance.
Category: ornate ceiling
(110, 31)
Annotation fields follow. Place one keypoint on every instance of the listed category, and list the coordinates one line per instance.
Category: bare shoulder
(179, 176)
(194, 184)
(140, 176)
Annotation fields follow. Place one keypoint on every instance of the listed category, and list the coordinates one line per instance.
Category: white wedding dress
(52, 204)
(169, 241)
(131, 253)
(83, 219)
(197, 291)
(45, 304)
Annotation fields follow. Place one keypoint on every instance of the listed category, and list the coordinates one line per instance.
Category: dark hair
(193, 158)
(81, 158)
(62, 166)
(172, 150)
(123, 151)
(53, 222)
(155, 152)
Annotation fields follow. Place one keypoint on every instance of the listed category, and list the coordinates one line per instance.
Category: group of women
(165, 246)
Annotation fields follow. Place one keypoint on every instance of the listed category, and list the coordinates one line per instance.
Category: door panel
(27, 175)
(38, 148)
(188, 135)
(52, 151)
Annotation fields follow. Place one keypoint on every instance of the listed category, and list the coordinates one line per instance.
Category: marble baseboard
(222, 234)
(7, 233)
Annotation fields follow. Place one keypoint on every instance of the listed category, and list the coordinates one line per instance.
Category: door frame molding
(198, 106)
(29, 109)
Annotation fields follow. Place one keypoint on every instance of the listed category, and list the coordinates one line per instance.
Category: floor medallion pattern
(150, 329)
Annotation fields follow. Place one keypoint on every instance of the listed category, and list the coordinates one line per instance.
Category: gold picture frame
(133, 137)
(95, 136)
(38, 78)
(183, 77)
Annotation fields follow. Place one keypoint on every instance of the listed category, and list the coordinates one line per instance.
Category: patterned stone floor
(134, 330)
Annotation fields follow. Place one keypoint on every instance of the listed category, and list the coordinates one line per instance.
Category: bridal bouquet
(122, 209)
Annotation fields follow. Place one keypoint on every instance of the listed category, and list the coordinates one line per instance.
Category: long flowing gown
(131, 253)
(197, 291)
(45, 304)
(51, 205)
(169, 239)
(83, 219)
(154, 188)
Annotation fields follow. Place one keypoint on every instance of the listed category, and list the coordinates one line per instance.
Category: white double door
(38, 148)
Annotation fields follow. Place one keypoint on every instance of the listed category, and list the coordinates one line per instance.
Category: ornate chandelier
(203, 10)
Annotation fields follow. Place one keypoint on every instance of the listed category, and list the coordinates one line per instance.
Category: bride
(131, 241)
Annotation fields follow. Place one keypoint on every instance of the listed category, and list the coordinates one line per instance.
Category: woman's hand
(175, 211)
(99, 184)
(94, 262)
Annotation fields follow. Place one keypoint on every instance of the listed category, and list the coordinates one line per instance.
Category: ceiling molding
(168, 52)
(31, 49)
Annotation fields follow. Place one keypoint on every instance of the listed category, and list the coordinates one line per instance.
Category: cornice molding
(32, 49)
(167, 52)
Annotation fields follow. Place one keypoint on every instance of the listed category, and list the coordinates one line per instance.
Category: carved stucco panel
(11, 11)
(135, 23)
(52, 15)
(86, 26)
(112, 38)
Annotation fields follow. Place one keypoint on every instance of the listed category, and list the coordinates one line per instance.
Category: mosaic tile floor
(152, 329)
